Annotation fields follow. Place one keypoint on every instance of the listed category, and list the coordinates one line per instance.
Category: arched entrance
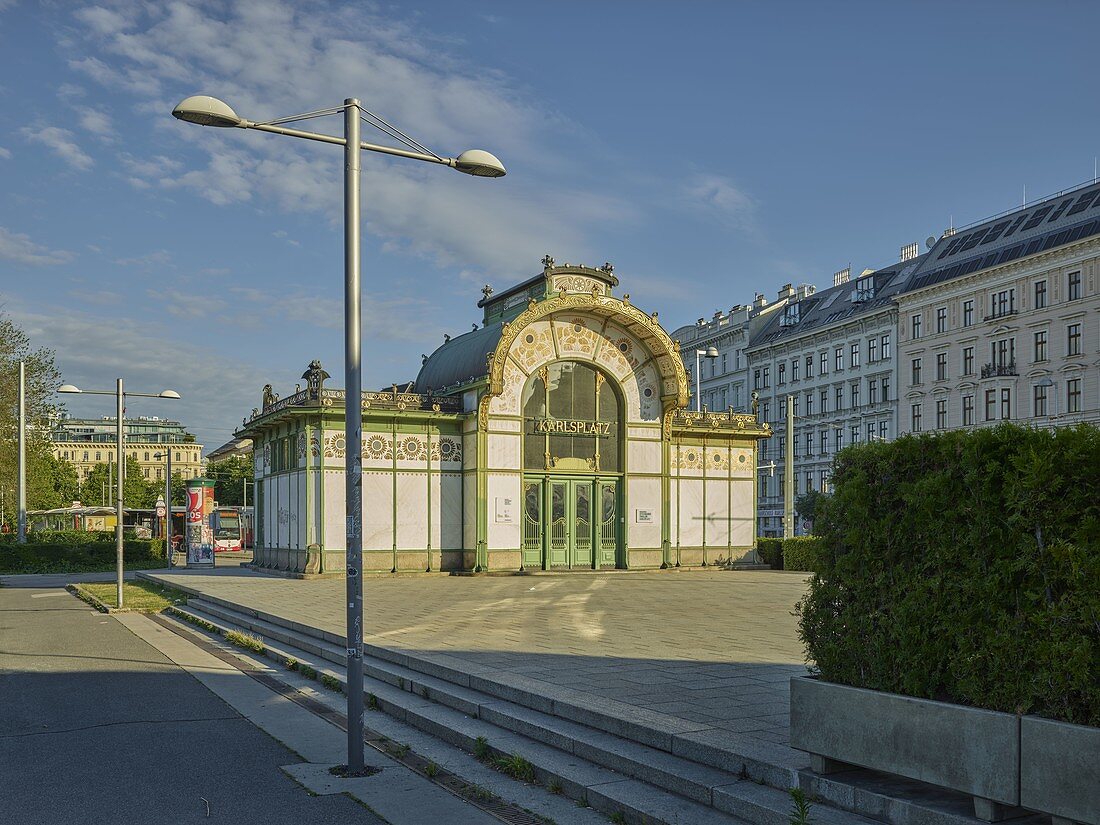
(572, 462)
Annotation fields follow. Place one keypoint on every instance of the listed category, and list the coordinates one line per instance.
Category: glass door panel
(582, 524)
(559, 524)
(532, 524)
(608, 537)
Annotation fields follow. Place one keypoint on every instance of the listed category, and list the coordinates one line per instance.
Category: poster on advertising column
(199, 534)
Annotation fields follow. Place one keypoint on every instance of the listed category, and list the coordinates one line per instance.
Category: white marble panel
(469, 512)
(412, 511)
(332, 447)
(503, 451)
(505, 425)
(450, 512)
(644, 456)
(377, 511)
(742, 462)
(469, 401)
(504, 500)
(643, 494)
(335, 538)
(644, 431)
(691, 512)
(743, 528)
(303, 512)
(377, 450)
(717, 513)
(469, 449)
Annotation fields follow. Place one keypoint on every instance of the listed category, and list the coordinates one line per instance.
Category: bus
(232, 531)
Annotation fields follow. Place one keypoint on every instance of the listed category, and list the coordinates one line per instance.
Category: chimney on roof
(717, 315)
(805, 291)
(701, 322)
(947, 233)
(910, 251)
(786, 291)
(842, 277)
(759, 302)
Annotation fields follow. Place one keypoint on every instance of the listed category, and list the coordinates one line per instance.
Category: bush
(79, 558)
(963, 567)
(802, 553)
(771, 551)
(71, 537)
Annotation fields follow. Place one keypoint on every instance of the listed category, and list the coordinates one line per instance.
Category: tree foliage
(230, 477)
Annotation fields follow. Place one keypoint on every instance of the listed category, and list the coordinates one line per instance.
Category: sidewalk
(709, 654)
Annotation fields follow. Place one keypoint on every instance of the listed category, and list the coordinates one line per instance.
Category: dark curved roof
(459, 360)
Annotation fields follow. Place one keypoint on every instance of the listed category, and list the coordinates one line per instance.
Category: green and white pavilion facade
(554, 437)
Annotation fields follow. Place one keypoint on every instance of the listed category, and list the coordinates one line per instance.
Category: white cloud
(5, 153)
(61, 142)
(97, 122)
(720, 198)
(15, 246)
(159, 259)
(288, 58)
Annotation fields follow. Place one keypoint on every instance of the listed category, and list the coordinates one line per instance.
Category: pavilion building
(555, 436)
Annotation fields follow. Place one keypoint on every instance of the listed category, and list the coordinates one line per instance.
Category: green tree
(47, 481)
(230, 477)
(806, 505)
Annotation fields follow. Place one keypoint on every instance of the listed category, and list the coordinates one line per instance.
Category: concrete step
(610, 774)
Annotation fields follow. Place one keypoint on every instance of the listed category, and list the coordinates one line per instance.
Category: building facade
(830, 355)
(86, 442)
(1002, 321)
(555, 436)
(722, 381)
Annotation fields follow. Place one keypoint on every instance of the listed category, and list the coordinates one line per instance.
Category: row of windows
(822, 439)
(109, 455)
(878, 349)
(284, 456)
(997, 405)
(878, 390)
(1001, 303)
(1002, 355)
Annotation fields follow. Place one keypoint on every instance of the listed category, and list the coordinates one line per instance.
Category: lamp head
(68, 388)
(712, 352)
(477, 162)
(206, 111)
(169, 394)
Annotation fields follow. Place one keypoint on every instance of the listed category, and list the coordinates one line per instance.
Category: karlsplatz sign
(565, 426)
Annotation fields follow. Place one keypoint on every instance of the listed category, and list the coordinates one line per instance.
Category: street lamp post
(22, 526)
(711, 353)
(167, 456)
(209, 111)
(120, 397)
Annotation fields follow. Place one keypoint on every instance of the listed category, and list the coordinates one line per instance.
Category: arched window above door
(571, 420)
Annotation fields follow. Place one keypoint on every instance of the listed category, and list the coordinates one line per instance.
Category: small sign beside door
(505, 510)
(643, 516)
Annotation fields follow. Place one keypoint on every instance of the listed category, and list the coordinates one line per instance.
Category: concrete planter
(1060, 770)
(973, 751)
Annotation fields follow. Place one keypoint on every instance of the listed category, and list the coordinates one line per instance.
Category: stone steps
(609, 773)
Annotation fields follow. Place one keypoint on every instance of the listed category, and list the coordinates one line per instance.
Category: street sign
(161, 511)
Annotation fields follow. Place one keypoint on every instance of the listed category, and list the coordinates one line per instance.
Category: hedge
(963, 567)
(138, 554)
(802, 553)
(771, 551)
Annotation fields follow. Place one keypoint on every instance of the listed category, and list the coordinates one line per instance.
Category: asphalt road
(97, 726)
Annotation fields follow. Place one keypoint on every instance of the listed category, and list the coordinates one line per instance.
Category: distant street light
(209, 111)
(120, 396)
(711, 353)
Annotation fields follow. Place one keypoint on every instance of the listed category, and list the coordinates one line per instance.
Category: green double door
(571, 523)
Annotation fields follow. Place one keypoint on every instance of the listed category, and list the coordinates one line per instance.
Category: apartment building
(86, 442)
(723, 380)
(1001, 322)
(831, 354)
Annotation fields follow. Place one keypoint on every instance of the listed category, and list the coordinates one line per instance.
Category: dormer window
(864, 291)
(791, 314)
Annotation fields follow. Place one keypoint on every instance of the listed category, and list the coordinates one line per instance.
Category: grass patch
(291, 663)
(307, 671)
(143, 596)
(619, 818)
(245, 640)
(332, 683)
(431, 770)
(554, 787)
(192, 619)
(372, 702)
(516, 767)
(481, 748)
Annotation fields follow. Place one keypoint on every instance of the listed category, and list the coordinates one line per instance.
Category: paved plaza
(716, 648)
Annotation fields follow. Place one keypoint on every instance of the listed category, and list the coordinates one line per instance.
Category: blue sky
(708, 150)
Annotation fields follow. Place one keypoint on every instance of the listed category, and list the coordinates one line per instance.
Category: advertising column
(199, 530)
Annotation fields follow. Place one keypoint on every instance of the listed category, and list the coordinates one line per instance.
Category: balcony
(1003, 313)
(998, 370)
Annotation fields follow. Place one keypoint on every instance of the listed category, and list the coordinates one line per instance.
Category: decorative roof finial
(315, 378)
(547, 261)
(608, 267)
(446, 337)
(486, 291)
